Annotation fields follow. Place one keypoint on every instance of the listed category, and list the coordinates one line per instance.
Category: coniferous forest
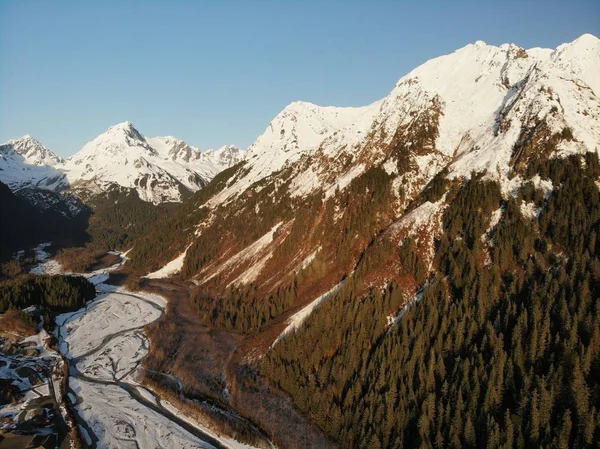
(58, 293)
(501, 348)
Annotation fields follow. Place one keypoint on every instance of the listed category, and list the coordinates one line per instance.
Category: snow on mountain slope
(554, 92)
(479, 103)
(157, 168)
(33, 151)
(498, 109)
(26, 162)
(174, 149)
(296, 131)
(227, 155)
(122, 156)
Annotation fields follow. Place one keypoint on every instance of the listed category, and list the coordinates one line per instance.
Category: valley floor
(104, 344)
(219, 364)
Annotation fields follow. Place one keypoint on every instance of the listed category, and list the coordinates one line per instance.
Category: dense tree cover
(244, 308)
(502, 349)
(79, 259)
(57, 293)
(120, 216)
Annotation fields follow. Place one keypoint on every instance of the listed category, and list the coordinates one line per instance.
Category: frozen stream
(104, 344)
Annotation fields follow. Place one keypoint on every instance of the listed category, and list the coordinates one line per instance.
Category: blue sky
(214, 73)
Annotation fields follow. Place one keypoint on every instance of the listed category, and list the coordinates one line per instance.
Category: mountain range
(414, 246)
(159, 169)
(479, 102)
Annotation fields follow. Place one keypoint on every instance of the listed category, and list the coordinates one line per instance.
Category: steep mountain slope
(475, 103)
(207, 163)
(470, 188)
(33, 152)
(481, 108)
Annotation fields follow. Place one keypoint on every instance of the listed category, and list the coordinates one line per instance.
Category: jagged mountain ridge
(480, 96)
(25, 162)
(33, 151)
(160, 169)
(482, 108)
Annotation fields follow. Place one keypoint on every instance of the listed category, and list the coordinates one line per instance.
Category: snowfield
(44, 265)
(105, 343)
(170, 268)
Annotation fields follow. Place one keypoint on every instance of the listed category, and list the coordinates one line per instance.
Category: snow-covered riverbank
(104, 343)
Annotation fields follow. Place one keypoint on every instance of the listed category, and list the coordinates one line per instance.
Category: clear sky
(214, 73)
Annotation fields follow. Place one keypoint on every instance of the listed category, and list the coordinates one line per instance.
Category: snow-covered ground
(170, 268)
(111, 314)
(29, 365)
(105, 343)
(45, 265)
(119, 420)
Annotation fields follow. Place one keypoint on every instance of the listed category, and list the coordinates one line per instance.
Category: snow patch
(296, 320)
(170, 268)
(530, 210)
(245, 255)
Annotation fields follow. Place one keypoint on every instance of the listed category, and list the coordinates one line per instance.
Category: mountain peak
(227, 155)
(26, 139)
(587, 38)
(126, 126)
(33, 151)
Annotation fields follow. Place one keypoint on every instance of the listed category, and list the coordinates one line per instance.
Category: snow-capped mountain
(33, 152)
(471, 189)
(159, 168)
(227, 155)
(484, 109)
(174, 149)
(478, 103)
(26, 162)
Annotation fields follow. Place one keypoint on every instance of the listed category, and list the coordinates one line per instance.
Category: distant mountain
(160, 169)
(26, 162)
(33, 152)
